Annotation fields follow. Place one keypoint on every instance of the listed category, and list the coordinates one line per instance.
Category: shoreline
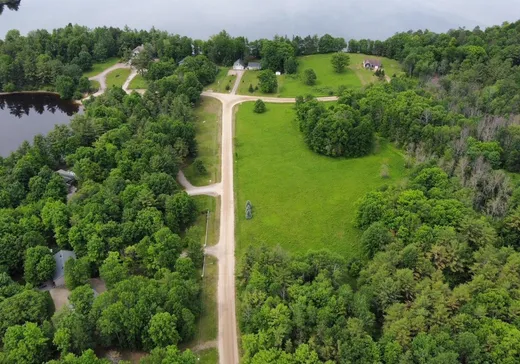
(41, 92)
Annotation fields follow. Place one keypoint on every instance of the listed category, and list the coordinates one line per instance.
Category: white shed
(239, 65)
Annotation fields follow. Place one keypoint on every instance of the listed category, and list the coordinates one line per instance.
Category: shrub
(228, 87)
(199, 166)
(251, 88)
(385, 171)
(259, 107)
(309, 77)
(267, 81)
(249, 210)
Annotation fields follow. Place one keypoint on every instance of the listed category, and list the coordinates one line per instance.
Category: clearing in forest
(301, 200)
(327, 82)
(138, 83)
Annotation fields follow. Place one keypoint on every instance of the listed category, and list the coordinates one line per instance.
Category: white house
(61, 258)
(278, 73)
(239, 65)
(137, 50)
(254, 66)
(372, 64)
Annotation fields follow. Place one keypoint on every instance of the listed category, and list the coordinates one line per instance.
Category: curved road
(224, 251)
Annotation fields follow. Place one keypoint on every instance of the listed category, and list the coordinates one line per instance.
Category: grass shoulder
(208, 118)
(301, 200)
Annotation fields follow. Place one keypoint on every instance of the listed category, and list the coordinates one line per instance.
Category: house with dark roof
(61, 257)
(239, 65)
(254, 66)
(372, 64)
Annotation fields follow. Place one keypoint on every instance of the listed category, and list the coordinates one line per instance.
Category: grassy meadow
(117, 77)
(97, 68)
(327, 81)
(301, 200)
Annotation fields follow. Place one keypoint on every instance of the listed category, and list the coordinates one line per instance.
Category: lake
(22, 116)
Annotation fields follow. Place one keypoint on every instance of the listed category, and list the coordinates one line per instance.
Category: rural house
(137, 50)
(69, 177)
(61, 258)
(372, 64)
(254, 66)
(239, 65)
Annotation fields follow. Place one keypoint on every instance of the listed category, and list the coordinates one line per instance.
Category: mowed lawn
(138, 83)
(301, 200)
(327, 82)
(221, 81)
(97, 68)
(117, 77)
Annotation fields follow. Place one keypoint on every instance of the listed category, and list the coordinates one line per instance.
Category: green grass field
(301, 200)
(97, 68)
(207, 125)
(328, 81)
(117, 77)
(209, 356)
(138, 83)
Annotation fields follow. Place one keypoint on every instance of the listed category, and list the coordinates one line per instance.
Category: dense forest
(124, 223)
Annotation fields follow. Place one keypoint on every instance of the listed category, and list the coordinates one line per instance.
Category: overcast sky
(376, 19)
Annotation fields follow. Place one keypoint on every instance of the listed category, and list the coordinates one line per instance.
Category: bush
(9, 87)
(309, 77)
(385, 171)
(228, 87)
(199, 166)
(249, 210)
(259, 107)
(251, 89)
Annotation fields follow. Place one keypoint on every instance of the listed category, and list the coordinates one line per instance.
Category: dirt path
(126, 85)
(224, 251)
(210, 190)
(237, 82)
(205, 346)
(102, 77)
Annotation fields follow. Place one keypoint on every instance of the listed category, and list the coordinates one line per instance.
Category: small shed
(254, 66)
(239, 65)
(278, 73)
(68, 176)
(61, 258)
(137, 50)
(372, 64)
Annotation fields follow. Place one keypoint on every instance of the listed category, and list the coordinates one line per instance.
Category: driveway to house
(102, 77)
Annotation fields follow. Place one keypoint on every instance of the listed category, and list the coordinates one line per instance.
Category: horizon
(380, 20)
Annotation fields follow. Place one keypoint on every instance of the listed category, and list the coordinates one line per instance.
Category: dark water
(22, 116)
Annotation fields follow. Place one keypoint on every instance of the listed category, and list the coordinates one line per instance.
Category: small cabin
(137, 50)
(239, 65)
